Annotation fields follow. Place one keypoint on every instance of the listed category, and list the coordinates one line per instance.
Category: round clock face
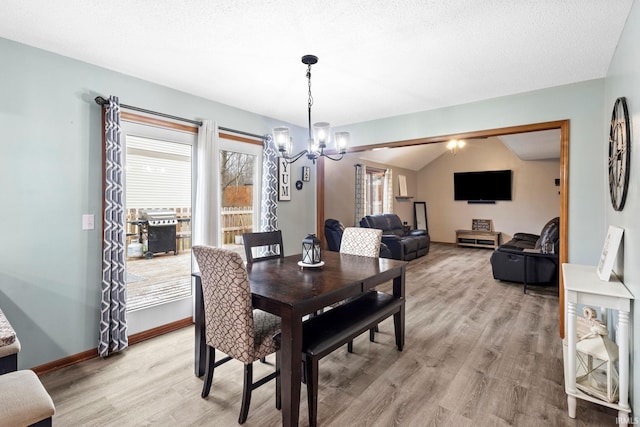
(619, 155)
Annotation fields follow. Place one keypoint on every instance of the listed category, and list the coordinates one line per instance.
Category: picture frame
(609, 252)
(402, 184)
(481, 225)
(420, 216)
(306, 174)
(284, 180)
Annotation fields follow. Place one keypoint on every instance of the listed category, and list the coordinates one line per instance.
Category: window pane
(375, 192)
(236, 187)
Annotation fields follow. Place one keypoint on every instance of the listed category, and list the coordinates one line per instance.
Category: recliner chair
(404, 245)
(535, 254)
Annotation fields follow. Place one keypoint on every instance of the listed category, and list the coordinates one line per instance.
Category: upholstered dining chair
(363, 242)
(232, 326)
(268, 245)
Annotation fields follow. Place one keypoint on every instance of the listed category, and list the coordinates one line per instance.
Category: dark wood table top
(342, 276)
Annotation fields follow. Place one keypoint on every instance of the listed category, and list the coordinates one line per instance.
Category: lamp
(455, 144)
(596, 357)
(318, 135)
(311, 253)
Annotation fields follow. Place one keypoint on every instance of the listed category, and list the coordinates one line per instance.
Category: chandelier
(318, 135)
(454, 145)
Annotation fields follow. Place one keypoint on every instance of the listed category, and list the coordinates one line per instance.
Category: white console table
(582, 286)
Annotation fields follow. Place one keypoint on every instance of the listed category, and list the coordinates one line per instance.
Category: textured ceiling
(377, 59)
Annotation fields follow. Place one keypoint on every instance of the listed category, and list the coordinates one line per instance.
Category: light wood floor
(477, 352)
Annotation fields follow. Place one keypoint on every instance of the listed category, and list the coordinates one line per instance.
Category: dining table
(282, 287)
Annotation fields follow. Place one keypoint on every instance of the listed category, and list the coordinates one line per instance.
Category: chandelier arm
(332, 158)
(291, 159)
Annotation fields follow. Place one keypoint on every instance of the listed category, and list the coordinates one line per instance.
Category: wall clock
(619, 153)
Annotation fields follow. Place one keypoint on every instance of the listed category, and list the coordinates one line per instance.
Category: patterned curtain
(203, 228)
(387, 202)
(269, 202)
(113, 322)
(361, 194)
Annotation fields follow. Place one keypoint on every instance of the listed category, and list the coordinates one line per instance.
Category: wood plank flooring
(478, 352)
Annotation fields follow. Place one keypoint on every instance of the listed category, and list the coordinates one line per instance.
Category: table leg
(290, 366)
(200, 356)
(524, 279)
(571, 404)
(623, 360)
(398, 318)
(571, 355)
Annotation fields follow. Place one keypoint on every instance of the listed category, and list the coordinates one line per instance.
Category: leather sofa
(404, 244)
(333, 230)
(537, 254)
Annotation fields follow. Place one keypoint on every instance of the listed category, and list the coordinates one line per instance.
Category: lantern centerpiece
(311, 253)
(597, 359)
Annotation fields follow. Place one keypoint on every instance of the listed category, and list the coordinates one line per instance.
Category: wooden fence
(234, 222)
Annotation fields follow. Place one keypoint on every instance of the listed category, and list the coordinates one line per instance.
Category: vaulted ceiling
(539, 145)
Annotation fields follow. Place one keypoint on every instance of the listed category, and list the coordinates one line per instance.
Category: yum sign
(284, 182)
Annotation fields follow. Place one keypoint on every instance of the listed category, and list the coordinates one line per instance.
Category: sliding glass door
(159, 194)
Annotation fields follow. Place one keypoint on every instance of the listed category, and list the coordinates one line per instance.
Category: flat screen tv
(485, 186)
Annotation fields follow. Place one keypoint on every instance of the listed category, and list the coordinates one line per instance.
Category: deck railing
(234, 222)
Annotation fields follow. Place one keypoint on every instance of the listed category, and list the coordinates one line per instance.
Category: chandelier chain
(310, 103)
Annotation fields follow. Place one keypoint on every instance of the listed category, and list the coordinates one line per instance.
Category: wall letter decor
(284, 185)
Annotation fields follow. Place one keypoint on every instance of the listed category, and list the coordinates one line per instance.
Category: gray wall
(581, 103)
(340, 191)
(535, 200)
(623, 79)
(50, 170)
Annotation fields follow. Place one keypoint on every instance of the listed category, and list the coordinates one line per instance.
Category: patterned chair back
(228, 310)
(361, 241)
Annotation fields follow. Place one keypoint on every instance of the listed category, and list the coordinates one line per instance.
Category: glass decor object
(597, 364)
(311, 253)
(282, 140)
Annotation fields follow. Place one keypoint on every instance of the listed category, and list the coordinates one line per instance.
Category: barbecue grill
(160, 226)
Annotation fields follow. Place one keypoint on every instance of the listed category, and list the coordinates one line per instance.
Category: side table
(582, 286)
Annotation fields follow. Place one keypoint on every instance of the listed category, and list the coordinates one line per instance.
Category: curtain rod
(241, 132)
(102, 101)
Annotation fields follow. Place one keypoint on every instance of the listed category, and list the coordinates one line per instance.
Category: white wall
(535, 196)
(623, 79)
(340, 193)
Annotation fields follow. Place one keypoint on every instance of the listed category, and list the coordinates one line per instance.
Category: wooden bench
(24, 400)
(332, 329)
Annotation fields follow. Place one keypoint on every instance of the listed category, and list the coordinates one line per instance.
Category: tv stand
(478, 238)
